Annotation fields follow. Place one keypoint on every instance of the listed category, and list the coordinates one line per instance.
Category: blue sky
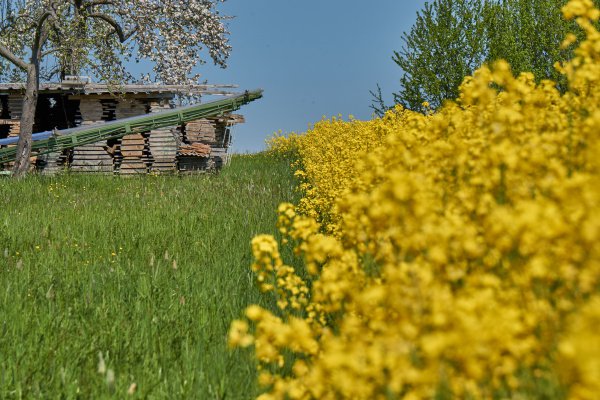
(313, 58)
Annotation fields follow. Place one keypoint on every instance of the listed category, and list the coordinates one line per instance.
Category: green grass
(149, 271)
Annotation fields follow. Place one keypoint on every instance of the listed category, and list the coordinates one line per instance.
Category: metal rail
(69, 138)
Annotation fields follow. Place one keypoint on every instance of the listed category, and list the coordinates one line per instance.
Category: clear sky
(313, 58)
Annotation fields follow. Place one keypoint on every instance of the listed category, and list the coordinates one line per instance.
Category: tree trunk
(27, 120)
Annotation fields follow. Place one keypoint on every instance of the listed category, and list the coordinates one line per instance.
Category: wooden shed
(193, 146)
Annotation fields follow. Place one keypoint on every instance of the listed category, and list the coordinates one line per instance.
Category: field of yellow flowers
(447, 255)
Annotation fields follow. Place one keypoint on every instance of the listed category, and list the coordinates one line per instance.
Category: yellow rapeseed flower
(449, 253)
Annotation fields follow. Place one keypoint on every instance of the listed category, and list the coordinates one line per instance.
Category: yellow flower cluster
(324, 177)
(281, 145)
(448, 255)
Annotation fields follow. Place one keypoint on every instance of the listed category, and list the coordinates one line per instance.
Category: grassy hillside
(148, 272)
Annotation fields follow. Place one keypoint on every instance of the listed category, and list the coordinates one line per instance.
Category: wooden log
(15, 129)
(201, 131)
(91, 111)
(133, 168)
(92, 158)
(133, 145)
(15, 106)
(162, 144)
(130, 108)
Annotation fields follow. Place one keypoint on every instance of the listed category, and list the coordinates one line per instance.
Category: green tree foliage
(452, 38)
(528, 34)
(446, 43)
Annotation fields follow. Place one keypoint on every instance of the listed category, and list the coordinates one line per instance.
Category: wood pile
(163, 150)
(135, 155)
(194, 164)
(14, 127)
(53, 163)
(94, 157)
(91, 158)
(211, 131)
(196, 146)
(163, 143)
(214, 132)
(201, 138)
(93, 111)
(194, 150)
(220, 157)
(15, 105)
(134, 149)
(201, 131)
(127, 108)
(194, 157)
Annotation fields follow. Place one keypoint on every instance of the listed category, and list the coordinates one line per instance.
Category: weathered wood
(153, 151)
(193, 163)
(91, 111)
(126, 108)
(94, 155)
(133, 146)
(15, 106)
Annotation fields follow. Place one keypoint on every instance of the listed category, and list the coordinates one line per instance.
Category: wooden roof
(100, 89)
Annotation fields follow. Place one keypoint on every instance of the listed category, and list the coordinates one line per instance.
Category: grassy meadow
(110, 285)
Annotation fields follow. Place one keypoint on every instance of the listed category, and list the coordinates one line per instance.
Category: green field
(148, 271)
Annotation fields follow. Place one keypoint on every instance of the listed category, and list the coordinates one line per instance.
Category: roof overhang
(104, 89)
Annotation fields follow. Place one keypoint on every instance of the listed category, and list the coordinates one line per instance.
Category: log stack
(15, 105)
(53, 163)
(94, 157)
(162, 143)
(194, 157)
(61, 106)
(201, 131)
(195, 146)
(133, 149)
(135, 155)
(214, 132)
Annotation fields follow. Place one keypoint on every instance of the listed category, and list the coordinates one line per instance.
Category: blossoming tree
(41, 39)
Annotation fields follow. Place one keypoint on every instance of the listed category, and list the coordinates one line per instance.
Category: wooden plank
(133, 145)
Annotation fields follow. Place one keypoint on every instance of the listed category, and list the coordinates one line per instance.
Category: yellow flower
(453, 250)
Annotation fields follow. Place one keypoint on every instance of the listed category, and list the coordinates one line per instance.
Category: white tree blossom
(44, 39)
(100, 36)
